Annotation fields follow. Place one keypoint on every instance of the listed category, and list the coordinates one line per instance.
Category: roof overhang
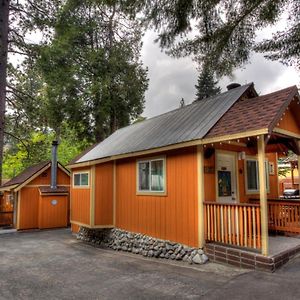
(8, 188)
(17, 187)
(204, 141)
(65, 170)
(32, 177)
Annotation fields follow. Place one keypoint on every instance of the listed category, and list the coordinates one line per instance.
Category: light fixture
(241, 155)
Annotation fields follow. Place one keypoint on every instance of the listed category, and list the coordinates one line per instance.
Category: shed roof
(191, 122)
(28, 173)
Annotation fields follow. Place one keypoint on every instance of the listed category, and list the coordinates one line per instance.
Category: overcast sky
(172, 79)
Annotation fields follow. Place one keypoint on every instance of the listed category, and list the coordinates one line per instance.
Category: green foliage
(80, 81)
(37, 149)
(207, 85)
(225, 30)
(94, 77)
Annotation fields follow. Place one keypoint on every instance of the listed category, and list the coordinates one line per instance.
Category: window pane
(84, 179)
(224, 184)
(267, 174)
(252, 175)
(157, 179)
(144, 176)
(76, 179)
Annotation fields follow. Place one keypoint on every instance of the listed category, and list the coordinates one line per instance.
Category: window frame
(151, 192)
(252, 192)
(81, 186)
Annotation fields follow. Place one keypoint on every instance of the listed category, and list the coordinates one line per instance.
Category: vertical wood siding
(53, 216)
(6, 205)
(80, 205)
(75, 228)
(210, 178)
(80, 202)
(290, 120)
(174, 216)
(45, 178)
(29, 208)
(104, 194)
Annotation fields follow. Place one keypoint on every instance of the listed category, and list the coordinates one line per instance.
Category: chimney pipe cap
(232, 86)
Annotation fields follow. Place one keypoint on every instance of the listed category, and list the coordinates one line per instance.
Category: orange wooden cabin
(203, 173)
(28, 202)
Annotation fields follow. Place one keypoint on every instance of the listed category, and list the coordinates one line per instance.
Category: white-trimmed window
(81, 179)
(252, 180)
(151, 175)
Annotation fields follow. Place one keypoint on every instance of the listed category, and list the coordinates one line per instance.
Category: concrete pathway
(53, 265)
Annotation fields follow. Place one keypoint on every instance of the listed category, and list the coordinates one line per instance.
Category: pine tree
(226, 30)
(207, 85)
(94, 76)
(4, 17)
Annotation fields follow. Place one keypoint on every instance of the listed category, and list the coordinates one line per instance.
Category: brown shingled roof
(26, 174)
(254, 113)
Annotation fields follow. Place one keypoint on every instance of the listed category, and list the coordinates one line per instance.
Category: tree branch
(20, 140)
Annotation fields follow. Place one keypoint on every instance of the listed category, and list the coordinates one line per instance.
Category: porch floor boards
(279, 244)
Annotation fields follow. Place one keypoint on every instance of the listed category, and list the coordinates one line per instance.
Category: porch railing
(284, 216)
(6, 218)
(234, 224)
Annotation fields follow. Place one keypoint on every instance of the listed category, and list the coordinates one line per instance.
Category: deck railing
(234, 224)
(6, 218)
(284, 216)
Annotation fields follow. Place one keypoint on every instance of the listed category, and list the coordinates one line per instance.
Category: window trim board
(149, 192)
(81, 186)
(255, 192)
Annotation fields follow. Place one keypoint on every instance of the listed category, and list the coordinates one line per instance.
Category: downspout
(54, 165)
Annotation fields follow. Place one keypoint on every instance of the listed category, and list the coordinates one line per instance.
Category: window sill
(81, 187)
(255, 192)
(158, 194)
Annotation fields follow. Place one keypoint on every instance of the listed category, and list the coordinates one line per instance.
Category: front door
(226, 178)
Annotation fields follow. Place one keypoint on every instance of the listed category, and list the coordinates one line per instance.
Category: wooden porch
(233, 233)
(240, 224)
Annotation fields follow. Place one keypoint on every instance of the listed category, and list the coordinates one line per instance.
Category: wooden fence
(234, 224)
(6, 218)
(284, 216)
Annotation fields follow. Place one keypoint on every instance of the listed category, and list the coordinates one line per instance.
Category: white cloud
(172, 79)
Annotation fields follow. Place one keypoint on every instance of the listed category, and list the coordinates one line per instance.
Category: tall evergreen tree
(17, 19)
(207, 85)
(4, 17)
(92, 69)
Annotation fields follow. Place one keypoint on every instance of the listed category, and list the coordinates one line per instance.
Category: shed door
(226, 178)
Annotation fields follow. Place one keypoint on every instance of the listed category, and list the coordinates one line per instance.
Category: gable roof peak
(191, 122)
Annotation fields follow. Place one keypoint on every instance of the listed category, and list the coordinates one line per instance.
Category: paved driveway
(53, 265)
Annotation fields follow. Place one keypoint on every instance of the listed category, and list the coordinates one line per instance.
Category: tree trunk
(4, 15)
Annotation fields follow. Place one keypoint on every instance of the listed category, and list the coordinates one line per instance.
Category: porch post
(298, 156)
(263, 195)
(200, 185)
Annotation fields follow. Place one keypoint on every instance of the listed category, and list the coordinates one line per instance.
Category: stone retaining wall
(137, 243)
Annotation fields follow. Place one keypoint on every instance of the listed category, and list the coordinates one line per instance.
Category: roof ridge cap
(194, 103)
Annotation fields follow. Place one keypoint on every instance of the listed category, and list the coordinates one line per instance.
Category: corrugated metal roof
(188, 123)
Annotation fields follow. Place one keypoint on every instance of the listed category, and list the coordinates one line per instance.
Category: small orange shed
(32, 200)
